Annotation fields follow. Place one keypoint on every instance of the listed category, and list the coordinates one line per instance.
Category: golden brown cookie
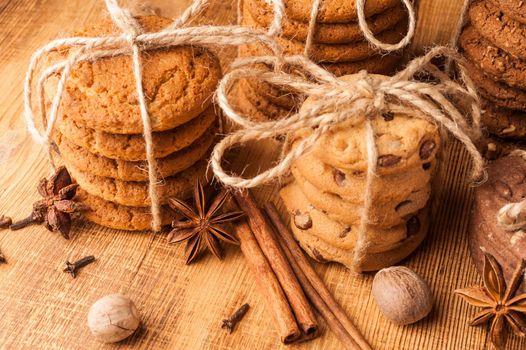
(124, 170)
(326, 33)
(515, 9)
(323, 252)
(386, 214)
(505, 123)
(314, 222)
(132, 147)
(275, 94)
(501, 94)
(384, 64)
(498, 28)
(271, 110)
(351, 52)
(135, 193)
(496, 63)
(351, 186)
(120, 217)
(331, 11)
(178, 85)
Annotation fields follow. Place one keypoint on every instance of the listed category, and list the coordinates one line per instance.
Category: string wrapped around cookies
(344, 123)
(136, 114)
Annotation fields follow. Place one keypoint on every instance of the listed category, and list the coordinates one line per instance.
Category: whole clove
(33, 219)
(5, 221)
(72, 268)
(231, 322)
(2, 258)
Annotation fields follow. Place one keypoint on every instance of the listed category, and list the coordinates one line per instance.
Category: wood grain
(182, 306)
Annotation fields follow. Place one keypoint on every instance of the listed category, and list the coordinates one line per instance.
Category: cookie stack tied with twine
(344, 37)
(362, 150)
(494, 44)
(128, 104)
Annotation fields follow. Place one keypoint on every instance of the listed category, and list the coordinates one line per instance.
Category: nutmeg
(113, 318)
(402, 295)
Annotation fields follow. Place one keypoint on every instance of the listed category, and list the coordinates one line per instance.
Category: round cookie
(274, 94)
(351, 52)
(263, 105)
(383, 215)
(350, 186)
(307, 218)
(496, 63)
(331, 11)
(323, 252)
(516, 9)
(178, 82)
(120, 217)
(134, 171)
(498, 93)
(379, 64)
(505, 123)
(132, 147)
(326, 33)
(134, 193)
(497, 27)
(402, 142)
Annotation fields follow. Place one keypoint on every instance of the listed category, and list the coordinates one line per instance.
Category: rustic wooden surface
(182, 307)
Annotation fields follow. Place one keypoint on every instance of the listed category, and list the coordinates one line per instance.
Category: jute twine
(131, 41)
(359, 101)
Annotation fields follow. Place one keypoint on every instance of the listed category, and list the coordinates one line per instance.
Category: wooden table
(182, 306)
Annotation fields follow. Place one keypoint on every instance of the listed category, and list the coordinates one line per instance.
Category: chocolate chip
(413, 226)
(345, 232)
(302, 221)
(503, 190)
(426, 166)
(318, 256)
(388, 160)
(426, 149)
(388, 116)
(339, 177)
(403, 204)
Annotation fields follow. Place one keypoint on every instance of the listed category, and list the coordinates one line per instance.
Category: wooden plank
(182, 306)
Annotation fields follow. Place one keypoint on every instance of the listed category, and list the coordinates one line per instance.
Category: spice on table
(57, 205)
(202, 226)
(5, 221)
(499, 305)
(231, 322)
(272, 250)
(113, 318)
(2, 258)
(72, 268)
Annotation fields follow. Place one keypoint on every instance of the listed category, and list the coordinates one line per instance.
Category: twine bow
(131, 41)
(359, 101)
(512, 216)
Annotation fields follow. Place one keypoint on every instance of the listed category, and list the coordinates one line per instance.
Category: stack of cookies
(326, 196)
(339, 45)
(99, 133)
(494, 44)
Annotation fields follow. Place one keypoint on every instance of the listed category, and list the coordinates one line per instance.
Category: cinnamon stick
(265, 236)
(313, 285)
(268, 284)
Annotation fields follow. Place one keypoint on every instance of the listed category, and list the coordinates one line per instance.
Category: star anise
(55, 209)
(498, 302)
(201, 226)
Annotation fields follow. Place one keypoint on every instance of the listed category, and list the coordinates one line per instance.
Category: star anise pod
(202, 227)
(57, 205)
(498, 303)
